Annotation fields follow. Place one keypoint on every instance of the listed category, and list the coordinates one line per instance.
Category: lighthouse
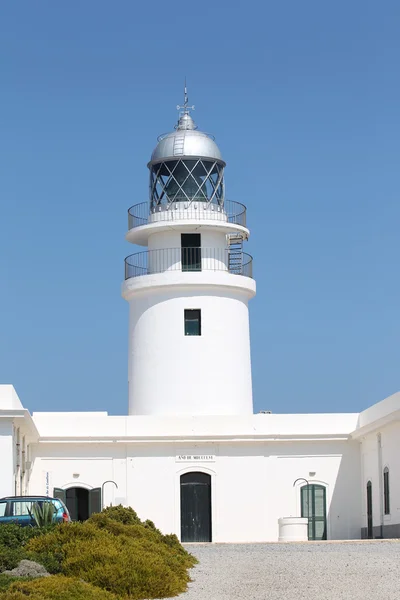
(189, 288)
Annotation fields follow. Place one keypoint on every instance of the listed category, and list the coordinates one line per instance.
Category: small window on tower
(192, 322)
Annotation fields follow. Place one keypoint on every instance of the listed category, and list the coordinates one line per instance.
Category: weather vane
(185, 105)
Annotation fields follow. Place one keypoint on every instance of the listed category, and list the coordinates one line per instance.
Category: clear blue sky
(304, 100)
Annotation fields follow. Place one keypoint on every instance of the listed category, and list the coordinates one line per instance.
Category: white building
(191, 455)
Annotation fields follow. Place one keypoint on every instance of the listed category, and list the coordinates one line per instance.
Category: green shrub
(13, 541)
(115, 551)
(56, 587)
(10, 557)
(15, 536)
(7, 580)
(122, 514)
(128, 516)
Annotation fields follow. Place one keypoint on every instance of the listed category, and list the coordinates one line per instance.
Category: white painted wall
(165, 249)
(252, 483)
(171, 238)
(182, 211)
(372, 471)
(92, 427)
(379, 413)
(6, 458)
(78, 465)
(391, 459)
(257, 459)
(9, 398)
(174, 374)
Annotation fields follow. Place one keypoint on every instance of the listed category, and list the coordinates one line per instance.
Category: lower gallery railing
(188, 260)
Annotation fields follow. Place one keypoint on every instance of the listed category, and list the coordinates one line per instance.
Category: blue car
(18, 509)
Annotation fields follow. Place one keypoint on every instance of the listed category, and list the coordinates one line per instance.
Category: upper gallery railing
(230, 212)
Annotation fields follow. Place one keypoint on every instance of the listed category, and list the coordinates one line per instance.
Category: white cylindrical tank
(293, 529)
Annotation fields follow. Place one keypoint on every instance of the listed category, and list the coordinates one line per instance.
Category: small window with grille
(192, 321)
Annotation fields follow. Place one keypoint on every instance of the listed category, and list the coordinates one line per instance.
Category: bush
(7, 580)
(115, 551)
(13, 540)
(122, 514)
(10, 557)
(128, 516)
(15, 536)
(55, 588)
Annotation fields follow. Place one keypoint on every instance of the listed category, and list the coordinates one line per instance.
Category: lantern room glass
(186, 180)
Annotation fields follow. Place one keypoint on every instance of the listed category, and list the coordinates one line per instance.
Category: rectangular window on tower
(191, 251)
(192, 322)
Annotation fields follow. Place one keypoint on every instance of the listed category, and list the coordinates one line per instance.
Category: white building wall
(6, 458)
(335, 465)
(165, 249)
(78, 465)
(391, 459)
(372, 470)
(174, 374)
(252, 483)
(210, 238)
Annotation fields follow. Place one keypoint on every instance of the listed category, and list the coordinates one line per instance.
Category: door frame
(76, 483)
(202, 483)
(297, 491)
(194, 468)
(85, 486)
(310, 489)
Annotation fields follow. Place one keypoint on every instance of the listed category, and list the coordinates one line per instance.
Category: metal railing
(230, 212)
(188, 260)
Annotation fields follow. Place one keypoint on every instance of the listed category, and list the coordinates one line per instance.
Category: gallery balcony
(189, 260)
(181, 210)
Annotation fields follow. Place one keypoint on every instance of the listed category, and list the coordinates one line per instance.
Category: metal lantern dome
(186, 140)
(186, 167)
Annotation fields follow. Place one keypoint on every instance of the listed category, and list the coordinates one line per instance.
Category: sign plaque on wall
(47, 477)
(195, 458)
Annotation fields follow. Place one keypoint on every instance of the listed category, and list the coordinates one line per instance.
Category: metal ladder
(235, 253)
(179, 143)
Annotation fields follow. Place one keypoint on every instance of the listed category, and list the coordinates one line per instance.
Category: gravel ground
(323, 571)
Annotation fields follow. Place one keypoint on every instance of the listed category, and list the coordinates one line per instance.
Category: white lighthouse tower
(188, 291)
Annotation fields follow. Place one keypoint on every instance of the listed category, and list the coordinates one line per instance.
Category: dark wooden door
(77, 500)
(81, 503)
(191, 251)
(370, 530)
(313, 507)
(196, 507)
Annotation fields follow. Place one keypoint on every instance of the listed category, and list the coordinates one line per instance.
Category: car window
(58, 505)
(21, 508)
(3, 506)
